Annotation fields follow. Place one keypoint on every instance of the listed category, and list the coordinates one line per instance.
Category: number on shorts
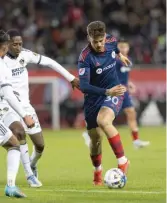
(115, 100)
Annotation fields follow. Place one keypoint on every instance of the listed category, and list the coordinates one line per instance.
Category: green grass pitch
(66, 171)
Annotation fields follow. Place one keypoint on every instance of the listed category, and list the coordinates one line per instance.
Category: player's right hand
(29, 121)
(75, 83)
(116, 91)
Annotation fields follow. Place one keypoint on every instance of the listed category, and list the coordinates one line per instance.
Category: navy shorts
(127, 101)
(114, 103)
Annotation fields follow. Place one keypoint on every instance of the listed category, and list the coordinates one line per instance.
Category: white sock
(13, 162)
(122, 160)
(25, 159)
(35, 157)
(99, 168)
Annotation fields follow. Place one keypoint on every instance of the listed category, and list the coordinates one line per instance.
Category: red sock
(96, 160)
(116, 144)
(135, 135)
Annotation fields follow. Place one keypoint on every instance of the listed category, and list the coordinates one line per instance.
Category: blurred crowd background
(57, 28)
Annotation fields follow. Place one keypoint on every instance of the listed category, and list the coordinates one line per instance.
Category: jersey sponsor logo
(17, 71)
(113, 54)
(125, 69)
(99, 71)
(109, 66)
(81, 71)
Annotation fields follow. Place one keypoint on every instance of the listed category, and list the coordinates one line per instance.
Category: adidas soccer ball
(115, 178)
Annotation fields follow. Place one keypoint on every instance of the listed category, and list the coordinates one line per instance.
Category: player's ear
(105, 35)
(88, 38)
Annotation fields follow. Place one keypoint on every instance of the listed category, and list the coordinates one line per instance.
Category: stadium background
(58, 29)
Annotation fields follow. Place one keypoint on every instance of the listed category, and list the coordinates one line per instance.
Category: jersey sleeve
(113, 41)
(84, 76)
(32, 57)
(115, 45)
(7, 91)
(4, 77)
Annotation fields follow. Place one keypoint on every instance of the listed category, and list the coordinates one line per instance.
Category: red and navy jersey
(123, 71)
(97, 71)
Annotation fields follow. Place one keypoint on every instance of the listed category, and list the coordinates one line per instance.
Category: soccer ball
(115, 178)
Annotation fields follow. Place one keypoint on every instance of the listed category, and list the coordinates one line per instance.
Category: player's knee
(20, 134)
(12, 143)
(39, 147)
(103, 121)
(105, 117)
(18, 130)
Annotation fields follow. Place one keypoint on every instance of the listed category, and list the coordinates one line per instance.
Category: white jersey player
(17, 60)
(7, 139)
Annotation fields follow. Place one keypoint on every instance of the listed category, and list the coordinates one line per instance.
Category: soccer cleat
(98, 178)
(140, 144)
(124, 167)
(35, 171)
(86, 138)
(13, 191)
(33, 181)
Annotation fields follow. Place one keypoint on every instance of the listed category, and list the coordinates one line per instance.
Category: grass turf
(66, 172)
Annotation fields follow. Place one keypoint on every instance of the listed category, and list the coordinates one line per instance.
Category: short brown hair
(96, 29)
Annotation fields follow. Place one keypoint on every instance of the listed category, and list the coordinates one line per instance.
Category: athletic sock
(96, 161)
(135, 135)
(116, 145)
(25, 159)
(13, 162)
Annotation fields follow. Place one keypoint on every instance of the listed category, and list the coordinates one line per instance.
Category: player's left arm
(123, 58)
(46, 61)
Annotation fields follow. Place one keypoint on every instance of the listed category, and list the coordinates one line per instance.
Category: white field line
(102, 191)
(119, 191)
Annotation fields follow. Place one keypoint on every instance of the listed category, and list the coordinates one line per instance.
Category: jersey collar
(11, 56)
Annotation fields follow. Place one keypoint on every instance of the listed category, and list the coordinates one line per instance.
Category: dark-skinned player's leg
(38, 142)
(12, 145)
(36, 136)
(13, 121)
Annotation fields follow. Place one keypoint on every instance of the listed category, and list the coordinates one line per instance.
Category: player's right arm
(84, 77)
(9, 96)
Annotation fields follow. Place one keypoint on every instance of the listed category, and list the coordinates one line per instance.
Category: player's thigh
(5, 134)
(18, 130)
(109, 110)
(91, 120)
(8, 115)
(37, 128)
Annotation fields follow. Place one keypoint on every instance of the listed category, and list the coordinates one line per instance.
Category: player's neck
(11, 55)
